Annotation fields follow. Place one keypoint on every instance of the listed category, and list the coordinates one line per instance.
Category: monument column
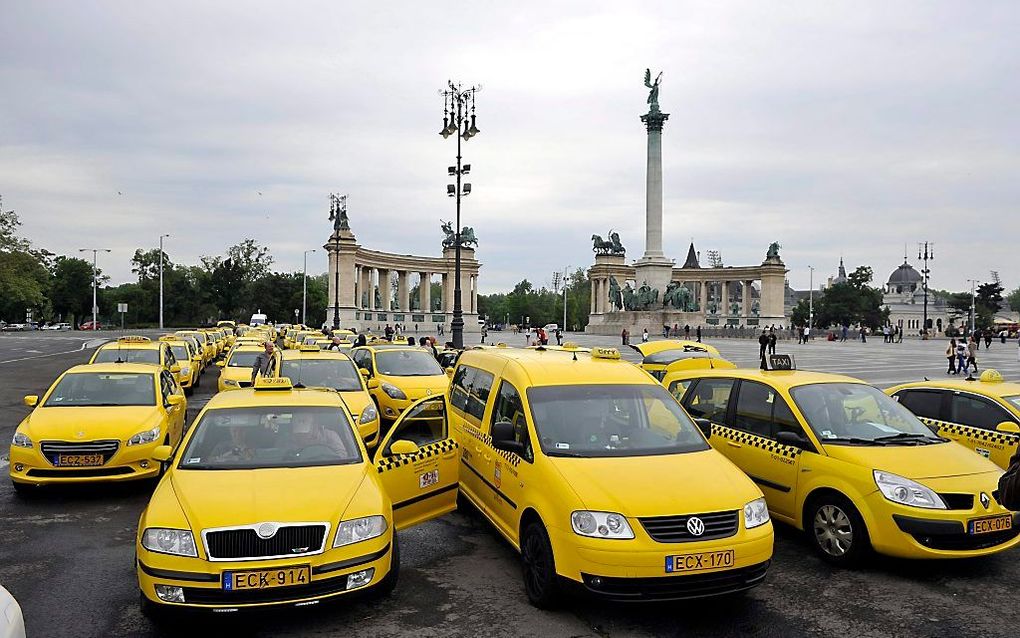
(357, 286)
(703, 297)
(745, 305)
(385, 290)
(425, 292)
(724, 301)
(653, 267)
(594, 296)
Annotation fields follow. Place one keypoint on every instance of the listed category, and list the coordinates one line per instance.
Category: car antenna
(299, 384)
(575, 355)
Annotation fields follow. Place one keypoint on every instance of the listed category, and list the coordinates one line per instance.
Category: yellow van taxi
(188, 360)
(851, 467)
(236, 367)
(594, 473)
(681, 354)
(98, 422)
(403, 373)
(983, 415)
(241, 520)
(136, 349)
(310, 367)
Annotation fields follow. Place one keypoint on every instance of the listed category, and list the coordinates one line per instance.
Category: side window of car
(460, 387)
(510, 407)
(754, 408)
(478, 395)
(710, 399)
(169, 356)
(424, 423)
(923, 403)
(783, 419)
(679, 388)
(166, 386)
(977, 412)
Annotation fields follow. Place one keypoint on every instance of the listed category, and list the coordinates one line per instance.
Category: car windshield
(127, 355)
(611, 420)
(407, 363)
(103, 389)
(1014, 400)
(856, 413)
(270, 436)
(669, 356)
(242, 359)
(180, 353)
(339, 374)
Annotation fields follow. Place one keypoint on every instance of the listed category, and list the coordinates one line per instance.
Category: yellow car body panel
(233, 374)
(972, 413)
(792, 476)
(661, 345)
(411, 387)
(60, 430)
(190, 362)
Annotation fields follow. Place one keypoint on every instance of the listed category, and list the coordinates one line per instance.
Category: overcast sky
(850, 128)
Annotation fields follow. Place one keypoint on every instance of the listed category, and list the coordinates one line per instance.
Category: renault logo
(266, 530)
(695, 526)
(985, 500)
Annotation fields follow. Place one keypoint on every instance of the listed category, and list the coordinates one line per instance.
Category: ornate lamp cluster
(457, 102)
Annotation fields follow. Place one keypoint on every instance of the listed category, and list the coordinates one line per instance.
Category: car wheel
(539, 566)
(837, 530)
(24, 490)
(389, 581)
(163, 465)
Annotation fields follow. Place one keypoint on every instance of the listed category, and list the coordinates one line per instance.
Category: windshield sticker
(562, 446)
(197, 459)
(828, 434)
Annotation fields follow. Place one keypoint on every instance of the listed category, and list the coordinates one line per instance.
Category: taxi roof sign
(263, 384)
(309, 348)
(134, 339)
(991, 376)
(782, 362)
(605, 353)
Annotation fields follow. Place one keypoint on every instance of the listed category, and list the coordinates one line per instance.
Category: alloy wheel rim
(833, 531)
(535, 566)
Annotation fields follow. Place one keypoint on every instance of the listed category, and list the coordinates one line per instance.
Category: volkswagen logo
(985, 500)
(695, 526)
(266, 530)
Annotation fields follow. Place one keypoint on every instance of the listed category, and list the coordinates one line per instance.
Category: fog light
(170, 593)
(18, 467)
(360, 579)
(143, 464)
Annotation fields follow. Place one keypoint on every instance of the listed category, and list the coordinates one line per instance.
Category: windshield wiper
(852, 439)
(910, 436)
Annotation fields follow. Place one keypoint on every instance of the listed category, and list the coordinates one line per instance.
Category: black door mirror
(796, 439)
(503, 438)
(705, 426)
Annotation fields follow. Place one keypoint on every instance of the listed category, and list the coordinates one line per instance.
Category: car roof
(543, 367)
(247, 397)
(1000, 389)
(775, 378)
(132, 345)
(289, 355)
(389, 346)
(143, 368)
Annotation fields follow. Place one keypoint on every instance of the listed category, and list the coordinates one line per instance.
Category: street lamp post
(456, 102)
(564, 327)
(95, 259)
(925, 252)
(973, 282)
(304, 288)
(161, 280)
(811, 299)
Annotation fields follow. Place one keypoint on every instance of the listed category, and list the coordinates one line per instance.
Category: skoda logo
(985, 500)
(695, 526)
(266, 530)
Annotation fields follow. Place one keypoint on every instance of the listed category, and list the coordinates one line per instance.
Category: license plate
(989, 525)
(266, 578)
(700, 561)
(79, 460)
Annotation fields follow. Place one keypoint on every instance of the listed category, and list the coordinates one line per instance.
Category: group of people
(540, 337)
(767, 343)
(962, 355)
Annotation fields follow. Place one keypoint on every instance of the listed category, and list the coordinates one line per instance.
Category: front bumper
(29, 466)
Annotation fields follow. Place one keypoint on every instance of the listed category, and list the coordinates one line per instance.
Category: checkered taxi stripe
(427, 451)
(746, 438)
(991, 436)
(509, 457)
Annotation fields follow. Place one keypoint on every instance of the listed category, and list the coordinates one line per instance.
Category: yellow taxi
(137, 349)
(236, 367)
(681, 354)
(204, 341)
(241, 519)
(98, 422)
(594, 473)
(219, 339)
(188, 360)
(296, 338)
(983, 415)
(854, 469)
(311, 367)
(399, 375)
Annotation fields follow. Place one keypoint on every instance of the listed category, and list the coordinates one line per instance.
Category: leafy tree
(71, 288)
(1013, 299)
(853, 302)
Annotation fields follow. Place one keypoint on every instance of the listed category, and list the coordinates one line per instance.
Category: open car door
(418, 465)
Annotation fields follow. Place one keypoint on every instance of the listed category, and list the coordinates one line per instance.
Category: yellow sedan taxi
(594, 473)
(311, 367)
(681, 354)
(206, 343)
(236, 367)
(399, 375)
(136, 349)
(983, 415)
(98, 422)
(188, 360)
(242, 519)
(856, 470)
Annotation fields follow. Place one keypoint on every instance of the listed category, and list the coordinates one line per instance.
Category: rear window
(127, 355)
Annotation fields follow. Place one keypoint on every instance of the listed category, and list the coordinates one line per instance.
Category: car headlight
(756, 513)
(393, 391)
(368, 415)
(359, 529)
(21, 440)
(902, 490)
(601, 525)
(185, 370)
(229, 382)
(179, 542)
(148, 436)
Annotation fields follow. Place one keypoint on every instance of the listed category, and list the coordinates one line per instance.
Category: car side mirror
(794, 439)
(449, 372)
(364, 372)
(162, 453)
(373, 384)
(705, 426)
(402, 446)
(175, 399)
(175, 368)
(220, 363)
(197, 358)
(503, 438)
(1008, 426)
(31, 400)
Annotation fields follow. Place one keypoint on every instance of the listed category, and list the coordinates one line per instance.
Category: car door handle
(733, 444)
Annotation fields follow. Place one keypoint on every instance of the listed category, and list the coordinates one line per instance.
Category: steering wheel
(855, 414)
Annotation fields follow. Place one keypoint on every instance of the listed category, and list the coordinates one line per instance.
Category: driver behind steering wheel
(305, 433)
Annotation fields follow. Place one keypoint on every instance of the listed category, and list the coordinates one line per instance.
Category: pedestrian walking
(972, 349)
(951, 356)
(644, 336)
(687, 331)
(361, 340)
(623, 337)
(807, 334)
(763, 344)
(843, 333)
(559, 337)
(698, 333)
(899, 334)
(988, 339)
(265, 362)
(772, 341)
(961, 356)
(676, 330)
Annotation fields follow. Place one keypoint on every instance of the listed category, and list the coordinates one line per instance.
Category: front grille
(50, 449)
(965, 542)
(958, 501)
(245, 543)
(217, 596)
(673, 529)
(661, 588)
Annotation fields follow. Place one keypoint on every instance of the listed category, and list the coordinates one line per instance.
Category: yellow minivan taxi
(242, 518)
(856, 470)
(403, 373)
(594, 473)
(98, 422)
(983, 415)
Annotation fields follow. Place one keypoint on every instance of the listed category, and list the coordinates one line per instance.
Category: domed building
(904, 280)
(903, 295)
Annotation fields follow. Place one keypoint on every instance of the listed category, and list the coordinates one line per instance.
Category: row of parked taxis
(656, 481)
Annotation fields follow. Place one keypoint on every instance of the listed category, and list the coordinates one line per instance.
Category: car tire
(23, 490)
(389, 581)
(163, 465)
(538, 564)
(836, 530)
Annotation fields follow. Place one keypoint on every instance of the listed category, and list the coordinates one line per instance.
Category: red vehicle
(91, 325)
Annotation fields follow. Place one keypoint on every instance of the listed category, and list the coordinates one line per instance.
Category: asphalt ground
(67, 555)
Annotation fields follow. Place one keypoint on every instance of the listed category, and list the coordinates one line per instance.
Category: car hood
(90, 424)
(651, 347)
(941, 460)
(664, 485)
(356, 400)
(436, 383)
(224, 498)
(236, 374)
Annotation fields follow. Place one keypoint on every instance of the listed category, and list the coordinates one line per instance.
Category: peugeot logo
(695, 526)
(985, 500)
(266, 530)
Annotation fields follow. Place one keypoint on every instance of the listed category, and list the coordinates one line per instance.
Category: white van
(257, 319)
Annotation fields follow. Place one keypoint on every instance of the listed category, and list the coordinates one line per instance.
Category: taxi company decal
(426, 452)
(782, 453)
(428, 479)
(498, 476)
(990, 438)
